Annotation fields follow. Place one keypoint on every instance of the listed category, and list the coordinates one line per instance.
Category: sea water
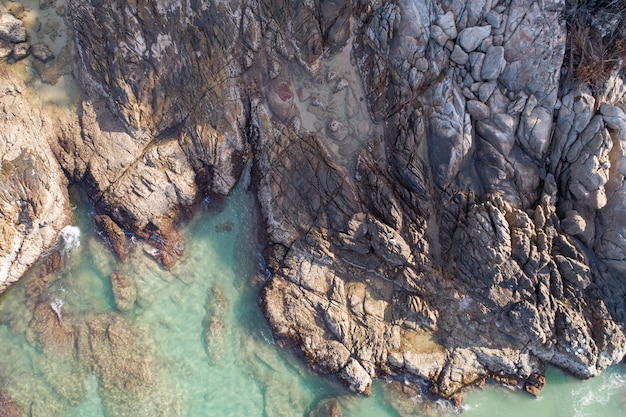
(212, 351)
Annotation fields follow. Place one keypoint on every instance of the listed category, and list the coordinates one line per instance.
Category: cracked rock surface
(34, 204)
(470, 226)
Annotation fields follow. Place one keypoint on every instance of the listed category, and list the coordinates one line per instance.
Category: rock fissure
(438, 202)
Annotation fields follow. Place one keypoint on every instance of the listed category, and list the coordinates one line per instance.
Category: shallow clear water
(235, 369)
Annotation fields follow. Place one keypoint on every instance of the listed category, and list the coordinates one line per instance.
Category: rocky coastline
(442, 190)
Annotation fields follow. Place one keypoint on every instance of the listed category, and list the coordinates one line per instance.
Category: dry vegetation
(596, 44)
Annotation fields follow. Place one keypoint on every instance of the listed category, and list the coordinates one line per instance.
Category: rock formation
(33, 190)
(439, 204)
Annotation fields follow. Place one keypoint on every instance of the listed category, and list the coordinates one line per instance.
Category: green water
(210, 351)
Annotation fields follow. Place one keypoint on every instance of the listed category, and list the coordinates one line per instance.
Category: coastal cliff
(441, 189)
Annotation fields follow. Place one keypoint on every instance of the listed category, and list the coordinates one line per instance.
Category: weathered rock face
(34, 203)
(476, 231)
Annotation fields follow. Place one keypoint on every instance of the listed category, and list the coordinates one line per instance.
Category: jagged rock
(356, 377)
(114, 234)
(437, 33)
(534, 384)
(471, 38)
(11, 28)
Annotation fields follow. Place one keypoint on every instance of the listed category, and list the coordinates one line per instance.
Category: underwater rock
(8, 407)
(214, 323)
(326, 408)
(124, 291)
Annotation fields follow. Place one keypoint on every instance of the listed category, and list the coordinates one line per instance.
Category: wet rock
(471, 38)
(356, 377)
(214, 323)
(42, 52)
(326, 408)
(124, 291)
(534, 384)
(114, 234)
(21, 50)
(11, 28)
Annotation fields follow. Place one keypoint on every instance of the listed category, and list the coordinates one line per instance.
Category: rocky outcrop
(34, 203)
(455, 217)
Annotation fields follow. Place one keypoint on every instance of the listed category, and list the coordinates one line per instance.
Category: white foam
(56, 305)
(71, 239)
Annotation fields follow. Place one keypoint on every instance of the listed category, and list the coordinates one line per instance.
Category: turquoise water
(199, 345)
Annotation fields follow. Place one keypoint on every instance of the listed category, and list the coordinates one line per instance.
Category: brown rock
(534, 384)
(114, 234)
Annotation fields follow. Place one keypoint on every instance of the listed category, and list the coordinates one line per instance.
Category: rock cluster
(12, 36)
(473, 228)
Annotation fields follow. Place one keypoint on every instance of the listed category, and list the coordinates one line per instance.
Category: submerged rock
(214, 323)
(124, 291)
(8, 407)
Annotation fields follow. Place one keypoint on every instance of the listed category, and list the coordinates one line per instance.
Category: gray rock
(477, 109)
(459, 56)
(476, 63)
(493, 63)
(42, 52)
(494, 19)
(11, 28)
(438, 35)
(573, 223)
(447, 24)
(471, 38)
(485, 90)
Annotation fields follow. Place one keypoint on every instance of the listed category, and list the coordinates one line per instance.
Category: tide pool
(199, 345)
